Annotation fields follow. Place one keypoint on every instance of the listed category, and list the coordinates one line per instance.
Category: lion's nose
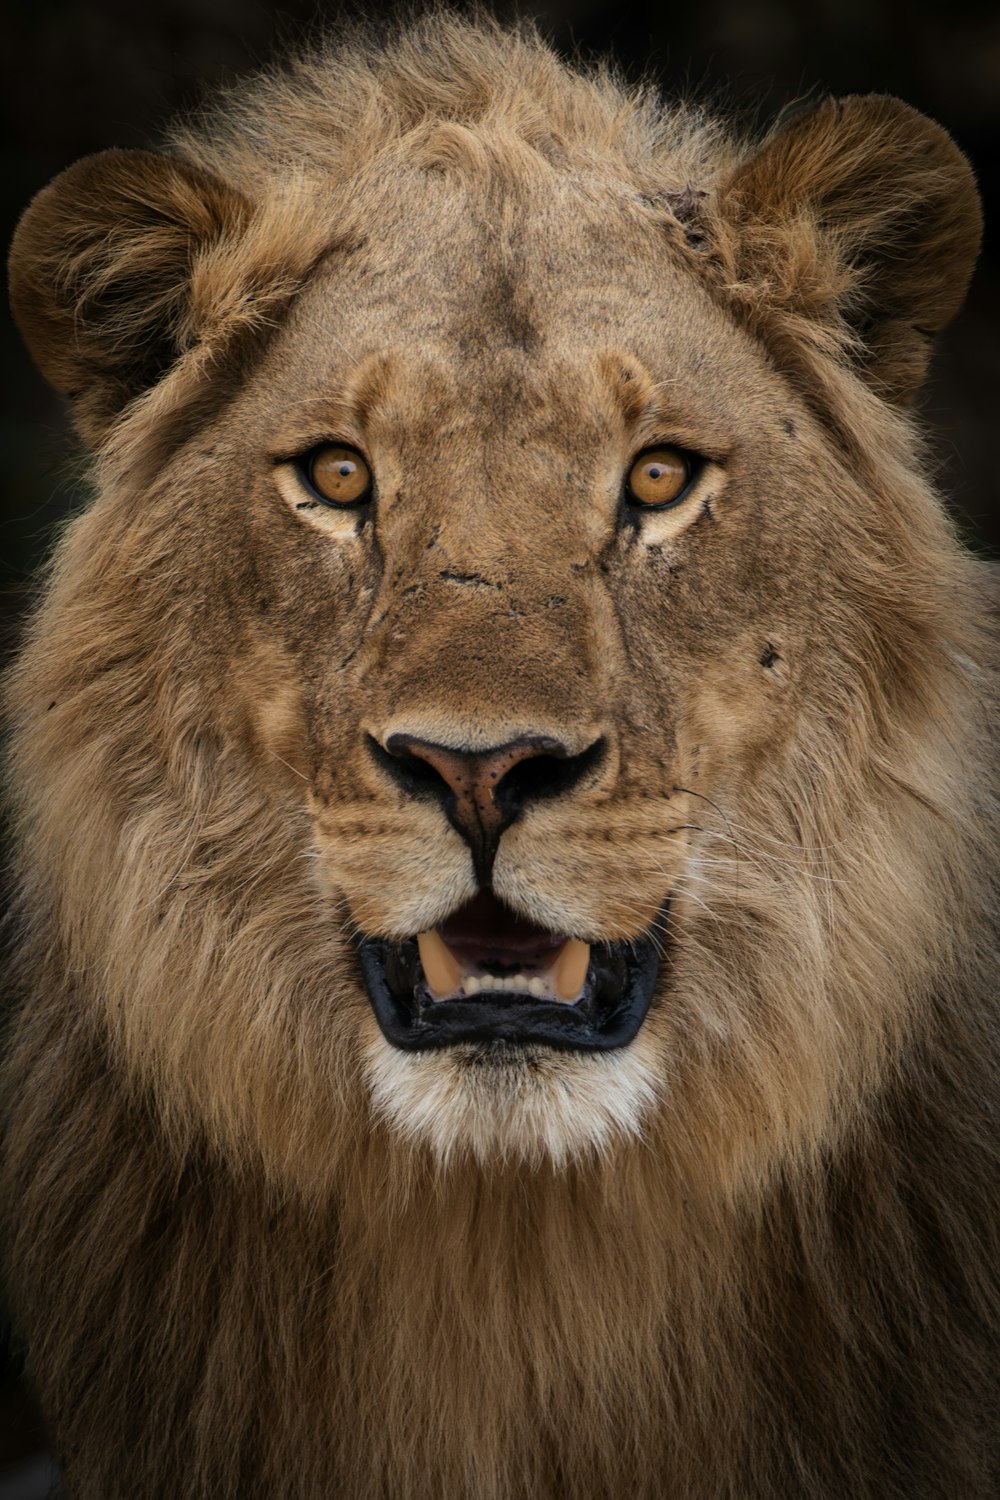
(483, 791)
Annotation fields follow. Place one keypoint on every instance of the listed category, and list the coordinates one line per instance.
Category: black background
(77, 77)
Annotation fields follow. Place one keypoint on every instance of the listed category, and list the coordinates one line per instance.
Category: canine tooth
(471, 985)
(440, 965)
(519, 982)
(570, 969)
(536, 986)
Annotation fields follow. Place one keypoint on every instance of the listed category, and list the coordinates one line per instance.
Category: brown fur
(258, 1252)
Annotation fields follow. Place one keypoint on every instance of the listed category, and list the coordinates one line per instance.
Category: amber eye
(338, 475)
(659, 477)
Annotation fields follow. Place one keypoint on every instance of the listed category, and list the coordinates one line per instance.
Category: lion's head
(510, 688)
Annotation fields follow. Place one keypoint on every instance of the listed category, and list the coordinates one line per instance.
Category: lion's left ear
(102, 274)
(862, 211)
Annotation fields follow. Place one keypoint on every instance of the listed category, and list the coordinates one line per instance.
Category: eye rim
(304, 464)
(695, 463)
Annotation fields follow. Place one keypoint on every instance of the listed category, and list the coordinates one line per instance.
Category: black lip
(607, 1015)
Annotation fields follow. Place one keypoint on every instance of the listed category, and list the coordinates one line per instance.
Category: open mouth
(488, 974)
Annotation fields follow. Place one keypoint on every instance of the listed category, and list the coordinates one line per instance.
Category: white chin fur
(565, 1105)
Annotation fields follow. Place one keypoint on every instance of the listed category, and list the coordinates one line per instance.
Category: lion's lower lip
(613, 1005)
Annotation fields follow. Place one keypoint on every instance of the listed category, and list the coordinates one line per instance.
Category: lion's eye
(338, 475)
(659, 477)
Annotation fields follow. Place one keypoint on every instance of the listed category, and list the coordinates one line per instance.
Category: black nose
(483, 791)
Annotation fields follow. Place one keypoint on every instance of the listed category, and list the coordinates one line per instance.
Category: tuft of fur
(259, 1252)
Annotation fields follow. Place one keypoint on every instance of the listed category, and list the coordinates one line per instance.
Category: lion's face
(501, 588)
(524, 796)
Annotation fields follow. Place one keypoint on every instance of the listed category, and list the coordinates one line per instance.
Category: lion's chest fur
(486, 1339)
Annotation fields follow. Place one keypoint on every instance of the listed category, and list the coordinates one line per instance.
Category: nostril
(410, 772)
(549, 775)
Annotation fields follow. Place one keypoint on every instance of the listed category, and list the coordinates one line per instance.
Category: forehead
(524, 285)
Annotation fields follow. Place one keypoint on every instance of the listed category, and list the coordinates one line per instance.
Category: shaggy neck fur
(591, 1333)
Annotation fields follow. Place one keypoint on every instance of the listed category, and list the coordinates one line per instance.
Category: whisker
(294, 772)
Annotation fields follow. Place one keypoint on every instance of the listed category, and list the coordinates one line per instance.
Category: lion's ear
(864, 211)
(101, 270)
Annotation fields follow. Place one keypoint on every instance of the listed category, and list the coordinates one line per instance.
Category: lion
(504, 775)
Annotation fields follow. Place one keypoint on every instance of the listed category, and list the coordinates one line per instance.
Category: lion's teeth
(444, 976)
(441, 969)
(570, 969)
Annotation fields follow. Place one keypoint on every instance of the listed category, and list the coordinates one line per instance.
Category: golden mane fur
(259, 1252)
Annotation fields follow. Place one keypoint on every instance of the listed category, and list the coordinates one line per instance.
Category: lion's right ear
(101, 271)
(859, 214)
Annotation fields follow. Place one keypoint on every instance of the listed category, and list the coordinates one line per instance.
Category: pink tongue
(483, 931)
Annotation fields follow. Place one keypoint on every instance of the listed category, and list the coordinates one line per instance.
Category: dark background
(77, 77)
